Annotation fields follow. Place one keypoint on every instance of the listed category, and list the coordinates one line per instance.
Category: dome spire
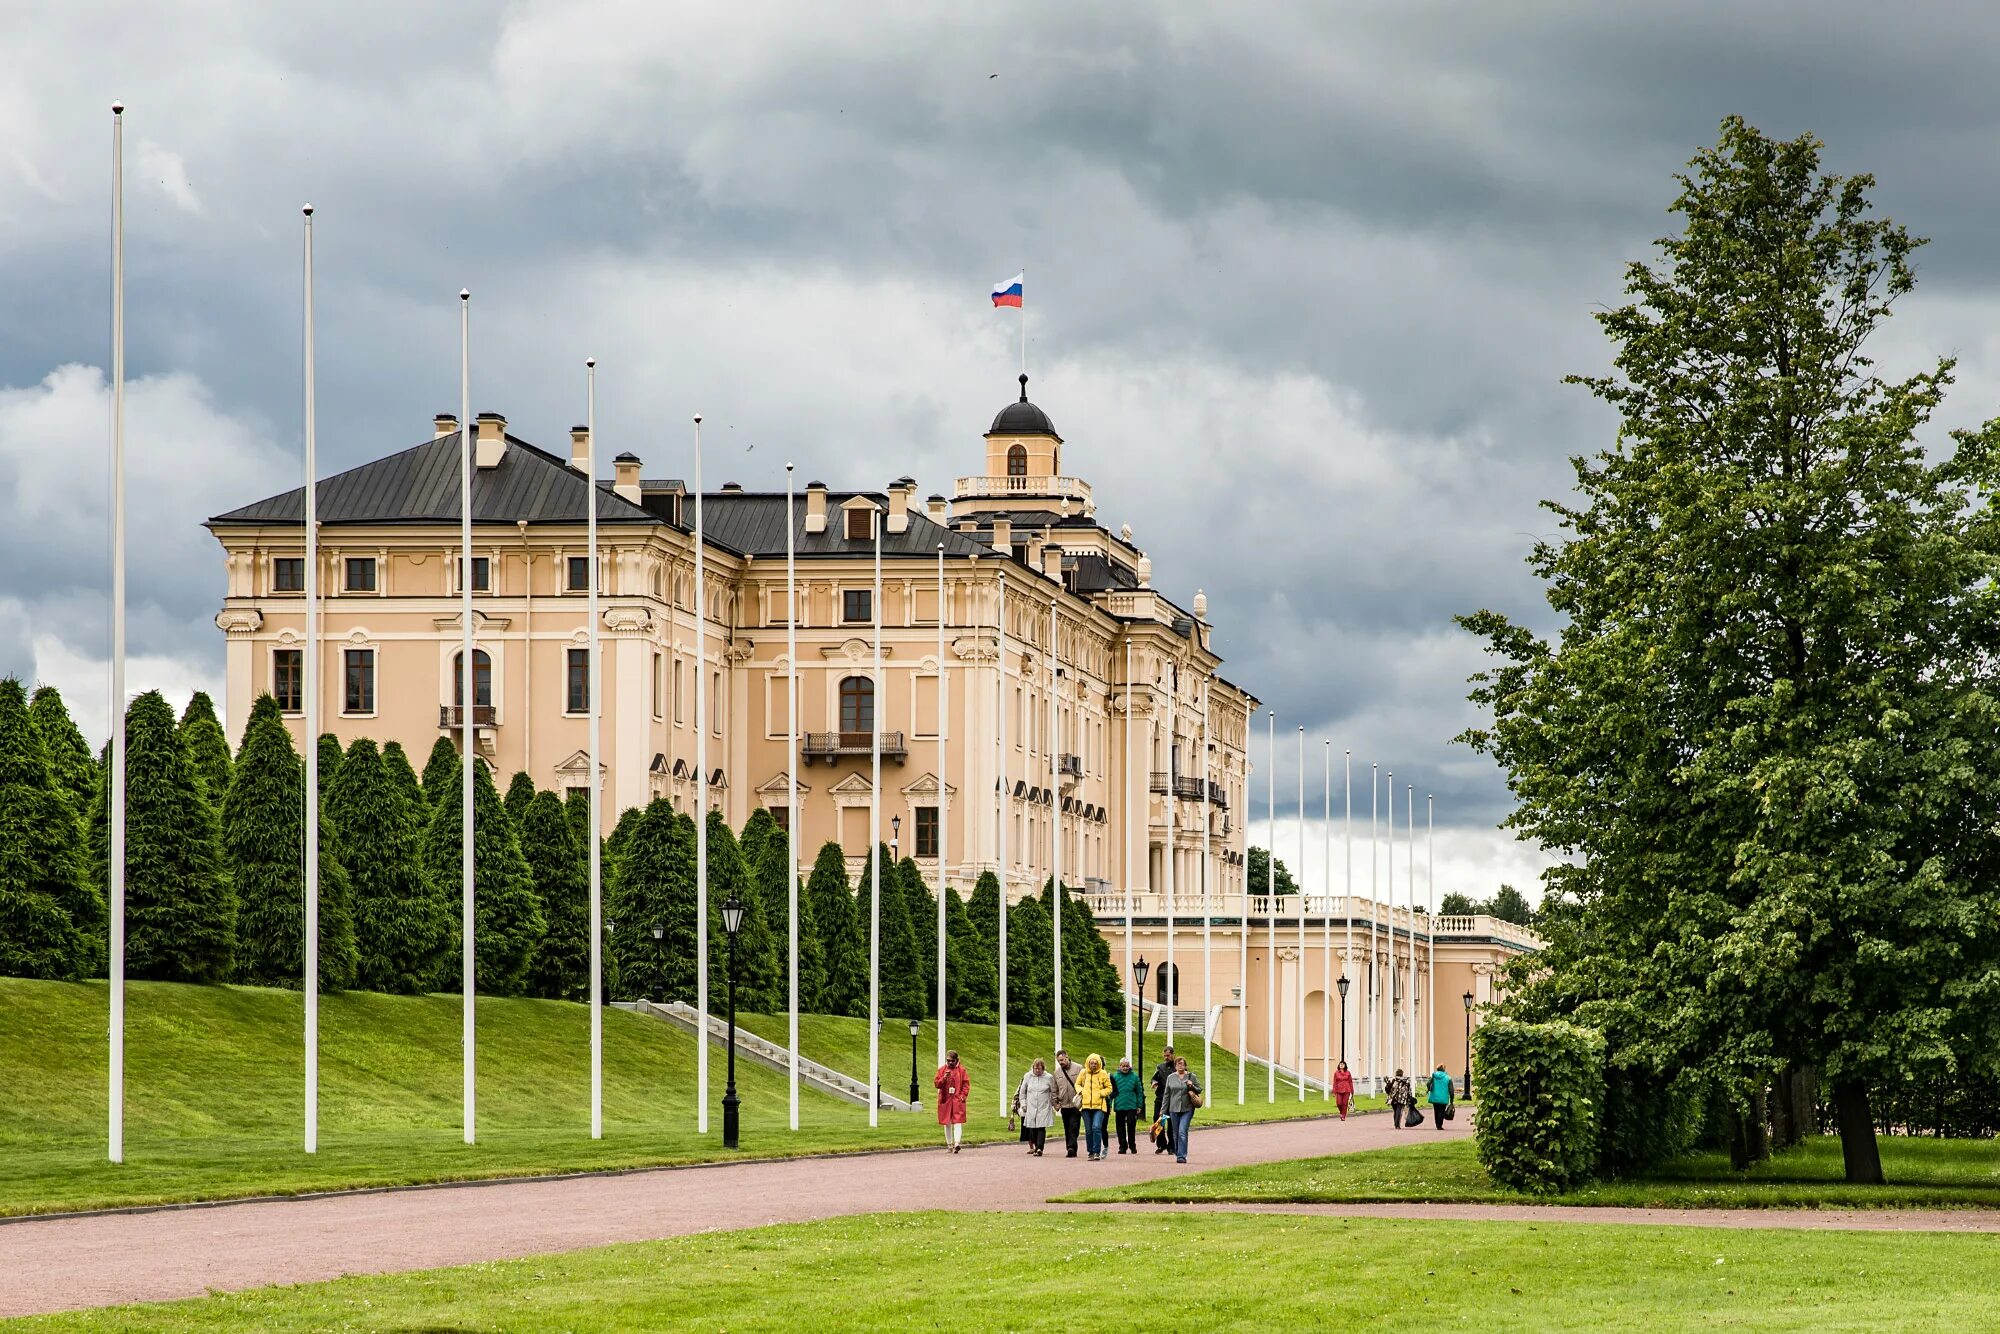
(1024, 386)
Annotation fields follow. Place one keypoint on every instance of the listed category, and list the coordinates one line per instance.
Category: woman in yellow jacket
(1093, 1095)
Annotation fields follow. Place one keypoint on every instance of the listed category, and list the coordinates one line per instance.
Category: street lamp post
(1468, 1045)
(915, 1025)
(732, 922)
(1342, 985)
(659, 964)
(1139, 980)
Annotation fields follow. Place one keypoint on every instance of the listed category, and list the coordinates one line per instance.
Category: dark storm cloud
(1303, 280)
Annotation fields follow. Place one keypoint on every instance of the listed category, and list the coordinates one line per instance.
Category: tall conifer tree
(208, 748)
(440, 772)
(774, 849)
(180, 912)
(402, 926)
(757, 975)
(520, 791)
(48, 907)
(654, 887)
(971, 972)
(1030, 943)
(832, 900)
(561, 970)
(403, 775)
(68, 754)
(507, 914)
(331, 755)
(900, 973)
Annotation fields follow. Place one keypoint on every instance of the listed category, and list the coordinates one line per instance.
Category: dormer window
(1017, 460)
(858, 526)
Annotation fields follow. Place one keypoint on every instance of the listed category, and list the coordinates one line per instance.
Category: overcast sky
(1302, 280)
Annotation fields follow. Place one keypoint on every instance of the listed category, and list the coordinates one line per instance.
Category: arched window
(857, 704)
(1017, 461)
(1168, 985)
(482, 679)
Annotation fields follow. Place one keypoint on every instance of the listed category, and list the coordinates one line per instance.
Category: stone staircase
(773, 1055)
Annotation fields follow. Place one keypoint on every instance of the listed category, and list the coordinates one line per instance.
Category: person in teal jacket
(1128, 1101)
(1441, 1092)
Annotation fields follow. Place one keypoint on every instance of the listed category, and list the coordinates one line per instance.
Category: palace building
(1073, 701)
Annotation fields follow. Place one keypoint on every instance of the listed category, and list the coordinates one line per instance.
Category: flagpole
(1055, 794)
(1271, 912)
(1024, 321)
(701, 726)
(1326, 932)
(1004, 808)
(596, 773)
(1347, 1029)
(117, 776)
(1243, 931)
(468, 701)
(1207, 911)
(1389, 917)
(1301, 987)
(312, 719)
(1431, 889)
(1410, 875)
(792, 782)
(1135, 1013)
(875, 841)
(1374, 911)
(1172, 974)
(944, 806)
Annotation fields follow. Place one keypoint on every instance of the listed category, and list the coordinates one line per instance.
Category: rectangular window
(858, 526)
(482, 574)
(680, 709)
(659, 686)
(288, 679)
(927, 831)
(579, 681)
(288, 574)
(857, 604)
(715, 709)
(359, 681)
(782, 816)
(360, 574)
(579, 574)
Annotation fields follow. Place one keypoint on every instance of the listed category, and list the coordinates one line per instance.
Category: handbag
(1196, 1098)
(1159, 1132)
(1450, 1111)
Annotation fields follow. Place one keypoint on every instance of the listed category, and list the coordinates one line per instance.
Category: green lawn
(979, 1272)
(843, 1044)
(1923, 1173)
(214, 1102)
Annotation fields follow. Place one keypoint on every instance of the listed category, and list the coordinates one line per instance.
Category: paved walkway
(52, 1264)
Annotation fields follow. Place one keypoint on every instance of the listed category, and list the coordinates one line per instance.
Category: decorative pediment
(681, 769)
(927, 786)
(850, 785)
(855, 649)
(577, 766)
(717, 779)
(659, 764)
(780, 782)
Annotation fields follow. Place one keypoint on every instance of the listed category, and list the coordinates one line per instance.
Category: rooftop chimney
(1052, 561)
(579, 448)
(446, 423)
(489, 440)
(815, 507)
(625, 476)
(1003, 536)
(900, 492)
(935, 508)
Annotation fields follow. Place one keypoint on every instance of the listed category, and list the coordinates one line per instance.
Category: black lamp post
(659, 965)
(732, 922)
(915, 1024)
(1139, 980)
(1342, 984)
(1468, 1044)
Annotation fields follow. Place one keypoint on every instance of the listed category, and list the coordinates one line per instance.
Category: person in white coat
(1035, 1104)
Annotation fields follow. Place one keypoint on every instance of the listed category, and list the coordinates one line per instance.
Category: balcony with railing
(1218, 795)
(831, 746)
(1072, 488)
(1071, 766)
(1187, 787)
(453, 715)
(1162, 782)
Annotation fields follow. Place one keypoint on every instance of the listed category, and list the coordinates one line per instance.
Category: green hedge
(1540, 1090)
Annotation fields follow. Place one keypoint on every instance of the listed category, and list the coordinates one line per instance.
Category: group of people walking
(1439, 1092)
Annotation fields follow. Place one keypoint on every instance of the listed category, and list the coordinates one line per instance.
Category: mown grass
(1185, 1273)
(843, 1044)
(1923, 1173)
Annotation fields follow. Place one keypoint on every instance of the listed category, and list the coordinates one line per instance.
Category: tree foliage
(396, 764)
(760, 983)
(68, 754)
(1541, 1091)
(1765, 733)
(561, 967)
(207, 746)
(440, 771)
(768, 849)
(833, 913)
(1030, 947)
(653, 886)
(520, 791)
(402, 924)
(48, 906)
(1260, 870)
(507, 914)
(971, 977)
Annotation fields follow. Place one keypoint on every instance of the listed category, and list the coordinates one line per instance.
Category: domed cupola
(1023, 418)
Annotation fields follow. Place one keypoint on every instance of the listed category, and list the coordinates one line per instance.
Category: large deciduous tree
(49, 910)
(1260, 870)
(1765, 732)
(402, 924)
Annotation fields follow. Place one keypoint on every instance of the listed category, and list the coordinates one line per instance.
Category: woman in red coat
(1343, 1089)
(952, 1085)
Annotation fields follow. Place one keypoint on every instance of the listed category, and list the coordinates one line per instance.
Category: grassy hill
(214, 1099)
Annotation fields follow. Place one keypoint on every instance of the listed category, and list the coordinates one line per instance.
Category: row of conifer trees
(214, 882)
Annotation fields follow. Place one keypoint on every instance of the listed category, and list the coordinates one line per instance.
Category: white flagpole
(1374, 911)
(1430, 887)
(1347, 1029)
(792, 782)
(1243, 932)
(1410, 876)
(875, 842)
(944, 806)
(1024, 321)
(1271, 912)
(596, 777)
(1004, 808)
(1389, 909)
(468, 700)
(117, 776)
(701, 725)
(312, 719)
(1135, 1013)
(1327, 999)
(1171, 974)
(1055, 797)
(1301, 987)
(1207, 909)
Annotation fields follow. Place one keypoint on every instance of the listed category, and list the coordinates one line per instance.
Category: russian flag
(1009, 292)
